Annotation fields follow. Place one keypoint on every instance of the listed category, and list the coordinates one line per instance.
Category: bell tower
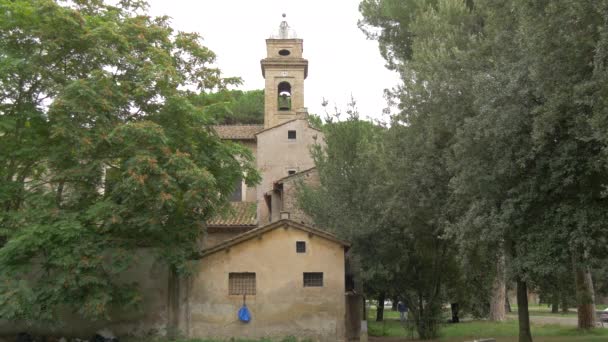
(284, 70)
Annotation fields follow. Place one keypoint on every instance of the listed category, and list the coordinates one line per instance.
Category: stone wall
(150, 319)
(290, 195)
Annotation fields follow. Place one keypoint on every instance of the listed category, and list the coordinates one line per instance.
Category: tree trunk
(380, 308)
(585, 300)
(522, 312)
(508, 304)
(555, 303)
(394, 307)
(173, 304)
(499, 292)
(564, 302)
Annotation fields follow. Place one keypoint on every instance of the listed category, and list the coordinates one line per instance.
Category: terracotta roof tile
(240, 214)
(238, 132)
(295, 175)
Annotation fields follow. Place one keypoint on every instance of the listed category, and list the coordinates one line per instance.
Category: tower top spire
(285, 32)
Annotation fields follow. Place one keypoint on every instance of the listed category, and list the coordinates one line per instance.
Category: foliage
(229, 107)
(346, 199)
(506, 101)
(369, 196)
(102, 153)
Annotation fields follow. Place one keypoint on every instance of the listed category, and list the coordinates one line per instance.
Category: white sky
(341, 60)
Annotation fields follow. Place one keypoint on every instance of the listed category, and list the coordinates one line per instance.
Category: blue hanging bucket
(244, 315)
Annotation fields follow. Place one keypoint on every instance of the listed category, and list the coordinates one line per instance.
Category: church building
(265, 253)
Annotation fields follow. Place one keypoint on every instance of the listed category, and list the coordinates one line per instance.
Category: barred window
(241, 283)
(313, 279)
(300, 247)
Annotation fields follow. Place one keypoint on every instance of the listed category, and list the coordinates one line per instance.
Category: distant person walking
(402, 308)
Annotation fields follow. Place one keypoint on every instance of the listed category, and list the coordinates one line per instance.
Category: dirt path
(570, 321)
(566, 321)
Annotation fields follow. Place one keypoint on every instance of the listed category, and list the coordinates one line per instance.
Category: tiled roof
(240, 214)
(261, 230)
(238, 132)
(295, 175)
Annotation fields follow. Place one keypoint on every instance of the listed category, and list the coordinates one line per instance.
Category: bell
(284, 102)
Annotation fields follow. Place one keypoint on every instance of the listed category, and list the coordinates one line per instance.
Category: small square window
(291, 172)
(313, 279)
(241, 283)
(300, 247)
(291, 135)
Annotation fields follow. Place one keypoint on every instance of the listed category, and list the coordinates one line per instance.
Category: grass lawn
(506, 331)
(503, 332)
(286, 339)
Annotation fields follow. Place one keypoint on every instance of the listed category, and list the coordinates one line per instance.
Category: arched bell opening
(284, 99)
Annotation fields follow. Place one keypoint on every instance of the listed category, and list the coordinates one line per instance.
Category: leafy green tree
(101, 153)
(347, 200)
(369, 194)
(513, 93)
(428, 43)
(231, 107)
(535, 139)
(509, 94)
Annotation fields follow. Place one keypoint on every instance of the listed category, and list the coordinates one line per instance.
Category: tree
(102, 153)
(368, 195)
(229, 107)
(522, 143)
(545, 118)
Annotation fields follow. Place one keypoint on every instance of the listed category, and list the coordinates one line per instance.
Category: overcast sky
(341, 60)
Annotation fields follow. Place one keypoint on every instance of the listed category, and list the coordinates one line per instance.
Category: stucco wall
(276, 154)
(281, 306)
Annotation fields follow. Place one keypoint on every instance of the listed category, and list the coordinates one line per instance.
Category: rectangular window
(300, 247)
(241, 283)
(237, 194)
(291, 135)
(291, 172)
(313, 279)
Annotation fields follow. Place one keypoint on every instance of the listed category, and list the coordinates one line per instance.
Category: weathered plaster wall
(276, 155)
(281, 306)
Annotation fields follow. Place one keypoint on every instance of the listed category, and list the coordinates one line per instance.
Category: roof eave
(261, 230)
